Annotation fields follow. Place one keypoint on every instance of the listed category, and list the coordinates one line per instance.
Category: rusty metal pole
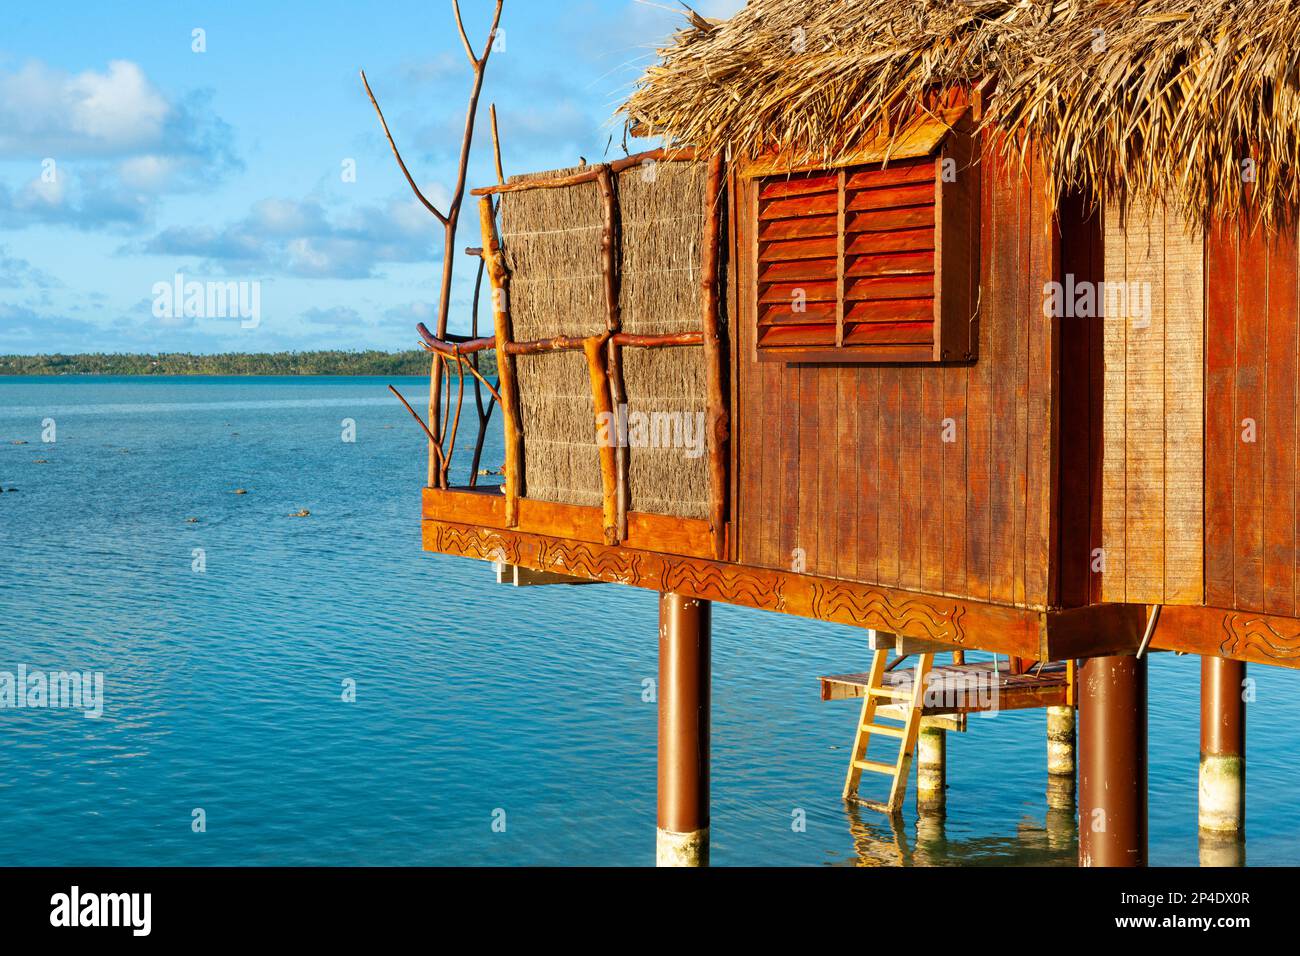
(684, 674)
(1113, 761)
(1222, 803)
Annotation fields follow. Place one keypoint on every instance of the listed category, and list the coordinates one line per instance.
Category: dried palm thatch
(1195, 103)
(552, 243)
(791, 76)
(1160, 97)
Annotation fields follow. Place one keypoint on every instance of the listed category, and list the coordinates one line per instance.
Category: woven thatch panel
(561, 462)
(667, 386)
(662, 210)
(662, 213)
(551, 239)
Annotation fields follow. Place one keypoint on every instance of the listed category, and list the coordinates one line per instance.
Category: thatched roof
(1168, 96)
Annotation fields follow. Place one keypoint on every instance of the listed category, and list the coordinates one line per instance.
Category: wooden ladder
(868, 727)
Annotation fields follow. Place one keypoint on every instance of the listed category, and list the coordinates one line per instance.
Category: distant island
(414, 362)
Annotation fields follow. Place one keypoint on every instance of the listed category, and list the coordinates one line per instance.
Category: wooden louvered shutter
(870, 263)
(798, 260)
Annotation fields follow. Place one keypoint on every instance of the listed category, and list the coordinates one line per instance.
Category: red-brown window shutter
(870, 263)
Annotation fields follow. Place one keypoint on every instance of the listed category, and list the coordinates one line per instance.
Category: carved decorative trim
(1250, 635)
(1005, 630)
(869, 607)
(480, 543)
(734, 585)
(583, 560)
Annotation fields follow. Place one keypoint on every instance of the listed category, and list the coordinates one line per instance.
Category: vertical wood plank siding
(1251, 370)
(1154, 408)
(971, 517)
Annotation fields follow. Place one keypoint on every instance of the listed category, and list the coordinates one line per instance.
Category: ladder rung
(876, 805)
(875, 767)
(899, 732)
(890, 692)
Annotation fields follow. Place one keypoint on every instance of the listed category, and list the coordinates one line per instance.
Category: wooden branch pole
(610, 257)
(499, 281)
(435, 448)
(455, 423)
(574, 343)
(606, 434)
(590, 175)
(618, 396)
(449, 345)
(626, 339)
(560, 343)
(469, 367)
(719, 424)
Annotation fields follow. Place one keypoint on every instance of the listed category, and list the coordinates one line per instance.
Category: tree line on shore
(331, 362)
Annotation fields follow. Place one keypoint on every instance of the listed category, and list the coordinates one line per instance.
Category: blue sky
(126, 157)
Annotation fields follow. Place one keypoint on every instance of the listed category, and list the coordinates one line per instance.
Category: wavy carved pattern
(489, 545)
(1249, 631)
(583, 560)
(733, 586)
(871, 608)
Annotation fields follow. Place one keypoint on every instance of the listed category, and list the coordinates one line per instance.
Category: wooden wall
(1154, 411)
(848, 463)
(1252, 372)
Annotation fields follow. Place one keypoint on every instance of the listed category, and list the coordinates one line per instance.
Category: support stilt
(1060, 758)
(931, 839)
(684, 674)
(1113, 761)
(931, 771)
(1222, 804)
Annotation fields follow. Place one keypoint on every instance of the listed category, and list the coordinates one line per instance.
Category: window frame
(943, 136)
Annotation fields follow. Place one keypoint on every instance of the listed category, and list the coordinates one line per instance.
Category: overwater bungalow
(974, 325)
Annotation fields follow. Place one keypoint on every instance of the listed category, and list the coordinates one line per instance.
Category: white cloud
(120, 107)
(52, 112)
(303, 238)
(337, 316)
(16, 273)
(108, 143)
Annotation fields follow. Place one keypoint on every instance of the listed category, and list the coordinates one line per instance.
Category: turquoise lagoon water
(223, 689)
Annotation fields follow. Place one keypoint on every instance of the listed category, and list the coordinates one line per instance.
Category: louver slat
(871, 285)
(898, 219)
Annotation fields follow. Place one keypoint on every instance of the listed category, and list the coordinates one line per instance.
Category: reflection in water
(1222, 849)
(880, 840)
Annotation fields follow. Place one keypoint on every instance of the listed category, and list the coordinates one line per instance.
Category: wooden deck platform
(967, 688)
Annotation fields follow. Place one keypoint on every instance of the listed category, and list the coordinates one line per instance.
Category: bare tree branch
(458, 194)
(492, 35)
(464, 38)
(438, 415)
(405, 172)
(416, 415)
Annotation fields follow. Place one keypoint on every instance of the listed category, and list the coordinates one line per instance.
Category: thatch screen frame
(604, 350)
